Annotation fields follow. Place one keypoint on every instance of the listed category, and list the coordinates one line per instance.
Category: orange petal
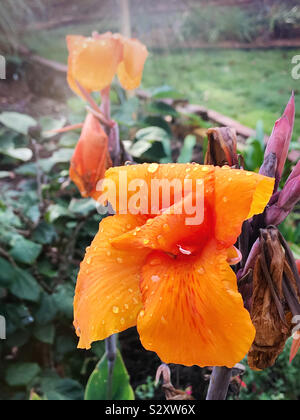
(108, 297)
(193, 313)
(153, 176)
(93, 62)
(238, 196)
(130, 70)
(170, 231)
(91, 158)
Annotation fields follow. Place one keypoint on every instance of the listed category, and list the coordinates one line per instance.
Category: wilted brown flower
(275, 299)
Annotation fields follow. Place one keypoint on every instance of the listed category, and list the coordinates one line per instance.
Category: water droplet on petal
(201, 270)
(146, 241)
(142, 313)
(115, 310)
(225, 199)
(89, 260)
(122, 320)
(155, 279)
(108, 253)
(153, 167)
(130, 290)
(119, 260)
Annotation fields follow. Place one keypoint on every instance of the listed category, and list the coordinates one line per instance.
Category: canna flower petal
(93, 62)
(186, 280)
(130, 70)
(91, 158)
(239, 195)
(108, 297)
(193, 313)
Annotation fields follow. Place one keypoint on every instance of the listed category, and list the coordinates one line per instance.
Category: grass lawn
(245, 85)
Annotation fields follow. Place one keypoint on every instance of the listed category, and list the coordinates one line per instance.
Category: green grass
(245, 85)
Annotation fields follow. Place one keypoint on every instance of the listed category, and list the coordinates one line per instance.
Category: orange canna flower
(170, 279)
(94, 61)
(91, 157)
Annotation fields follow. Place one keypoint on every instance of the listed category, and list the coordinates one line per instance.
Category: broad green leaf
(55, 211)
(63, 390)
(97, 387)
(24, 286)
(62, 156)
(21, 374)
(164, 92)
(22, 153)
(49, 123)
(69, 139)
(126, 112)
(25, 251)
(46, 311)
(17, 122)
(44, 234)
(7, 272)
(82, 206)
(186, 152)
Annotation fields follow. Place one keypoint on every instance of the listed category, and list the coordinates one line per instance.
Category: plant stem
(111, 353)
(219, 383)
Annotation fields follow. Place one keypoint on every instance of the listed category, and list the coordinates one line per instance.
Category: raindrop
(115, 310)
(153, 168)
(155, 279)
(119, 260)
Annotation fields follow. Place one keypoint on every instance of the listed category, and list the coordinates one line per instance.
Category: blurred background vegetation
(230, 56)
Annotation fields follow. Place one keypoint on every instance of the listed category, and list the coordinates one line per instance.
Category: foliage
(280, 382)
(213, 24)
(44, 229)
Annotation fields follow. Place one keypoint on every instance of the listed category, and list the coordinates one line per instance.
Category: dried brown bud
(171, 393)
(222, 147)
(275, 299)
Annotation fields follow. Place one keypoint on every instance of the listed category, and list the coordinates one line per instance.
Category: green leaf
(126, 112)
(55, 211)
(97, 389)
(22, 153)
(49, 123)
(82, 206)
(45, 333)
(44, 234)
(63, 299)
(24, 286)
(186, 152)
(58, 389)
(69, 139)
(62, 156)
(21, 374)
(47, 310)
(25, 251)
(164, 92)
(17, 122)
(7, 272)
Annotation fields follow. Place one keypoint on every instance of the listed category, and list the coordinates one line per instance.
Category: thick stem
(219, 383)
(111, 353)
